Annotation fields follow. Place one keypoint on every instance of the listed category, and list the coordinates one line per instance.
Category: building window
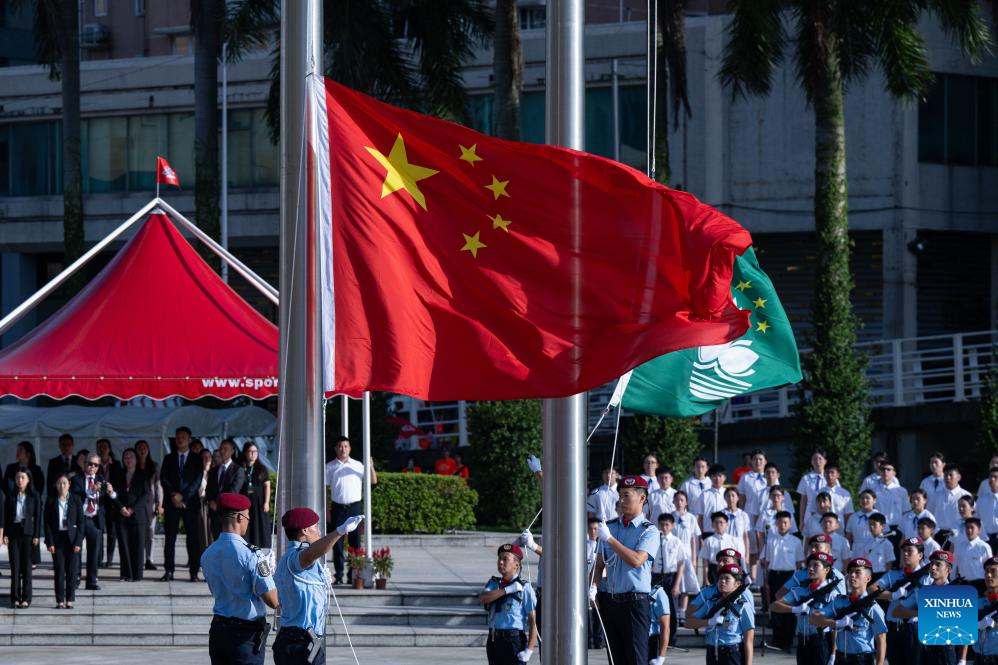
(106, 162)
(4, 160)
(957, 121)
(140, 7)
(100, 7)
(147, 138)
(183, 45)
(34, 154)
(533, 18)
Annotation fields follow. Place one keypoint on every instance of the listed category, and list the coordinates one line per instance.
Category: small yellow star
(472, 243)
(499, 223)
(762, 327)
(760, 303)
(742, 285)
(498, 187)
(469, 155)
(400, 173)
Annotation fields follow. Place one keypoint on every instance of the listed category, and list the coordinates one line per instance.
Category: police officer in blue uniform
(239, 577)
(627, 547)
(814, 645)
(902, 634)
(730, 630)
(986, 647)
(511, 604)
(907, 608)
(303, 587)
(861, 637)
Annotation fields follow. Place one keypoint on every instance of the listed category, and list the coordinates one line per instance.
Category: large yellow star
(499, 223)
(760, 303)
(401, 174)
(468, 154)
(472, 243)
(762, 327)
(498, 187)
(742, 285)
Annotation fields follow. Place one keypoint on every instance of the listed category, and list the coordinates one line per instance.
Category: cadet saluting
(239, 577)
(303, 587)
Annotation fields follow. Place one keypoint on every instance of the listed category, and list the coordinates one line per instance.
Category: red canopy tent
(157, 321)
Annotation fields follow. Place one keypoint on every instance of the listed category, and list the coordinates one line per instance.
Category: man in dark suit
(62, 464)
(229, 477)
(109, 468)
(94, 492)
(180, 476)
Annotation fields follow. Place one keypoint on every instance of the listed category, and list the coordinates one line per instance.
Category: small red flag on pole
(165, 174)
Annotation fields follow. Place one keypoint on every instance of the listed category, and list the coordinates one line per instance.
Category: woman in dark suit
(64, 539)
(132, 520)
(25, 455)
(23, 526)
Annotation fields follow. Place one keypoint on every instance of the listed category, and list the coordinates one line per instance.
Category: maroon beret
(991, 561)
(512, 549)
(299, 518)
(914, 541)
(823, 557)
(233, 502)
(942, 555)
(634, 482)
(730, 569)
(860, 562)
(820, 538)
(729, 552)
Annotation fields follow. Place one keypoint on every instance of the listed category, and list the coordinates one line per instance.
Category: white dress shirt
(602, 502)
(686, 530)
(841, 501)
(693, 488)
(19, 508)
(767, 521)
(652, 482)
(909, 522)
(987, 510)
(932, 484)
(879, 551)
(782, 552)
(970, 556)
(840, 550)
(63, 511)
(659, 501)
(752, 486)
(859, 527)
(892, 500)
(715, 543)
(810, 485)
(670, 553)
(738, 522)
(870, 482)
(710, 502)
(945, 507)
(345, 480)
(931, 546)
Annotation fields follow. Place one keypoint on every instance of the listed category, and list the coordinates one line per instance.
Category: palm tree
(835, 43)
(207, 23)
(507, 71)
(670, 58)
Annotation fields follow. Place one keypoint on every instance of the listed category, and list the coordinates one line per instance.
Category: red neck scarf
(992, 597)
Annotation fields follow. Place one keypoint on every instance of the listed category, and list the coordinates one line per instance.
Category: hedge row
(422, 503)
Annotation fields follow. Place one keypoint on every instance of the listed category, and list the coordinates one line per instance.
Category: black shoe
(93, 587)
(338, 580)
(124, 579)
(167, 577)
(194, 577)
(150, 565)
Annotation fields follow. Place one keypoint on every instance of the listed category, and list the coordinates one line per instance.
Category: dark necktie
(936, 485)
(91, 504)
(183, 458)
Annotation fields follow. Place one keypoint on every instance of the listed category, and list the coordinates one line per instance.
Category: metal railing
(901, 372)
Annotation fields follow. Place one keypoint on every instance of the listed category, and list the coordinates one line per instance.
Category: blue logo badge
(947, 615)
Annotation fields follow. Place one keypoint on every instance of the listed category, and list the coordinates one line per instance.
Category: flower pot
(381, 583)
(358, 582)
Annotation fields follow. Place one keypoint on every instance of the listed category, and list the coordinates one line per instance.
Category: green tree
(503, 434)
(507, 70)
(987, 415)
(670, 59)
(673, 441)
(836, 43)
(208, 25)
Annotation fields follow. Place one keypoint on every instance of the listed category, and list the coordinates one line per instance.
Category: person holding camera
(94, 491)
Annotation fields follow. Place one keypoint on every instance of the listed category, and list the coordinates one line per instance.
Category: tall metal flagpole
(366, 438)
(565, 601)
(300, 426)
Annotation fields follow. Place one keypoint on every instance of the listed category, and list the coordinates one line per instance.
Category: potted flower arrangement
(383, 565)
(357, 561)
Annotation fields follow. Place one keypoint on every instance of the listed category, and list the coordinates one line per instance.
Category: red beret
(914, 541)
(820, 538)
(299, 518)
(634, 482)
(730, 569)
(233, 502)
(859, 562)
(730, 552)
(991, 561)
(823, 557)
(942, 555)
(512, 549)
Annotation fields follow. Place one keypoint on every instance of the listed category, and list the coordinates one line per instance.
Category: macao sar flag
(695, 381)
(455, 265)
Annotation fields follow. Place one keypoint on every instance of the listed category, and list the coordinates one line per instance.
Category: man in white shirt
(345, 480)
(752, 485)
(892, 499)
(712, 498)
(870, 480)
(945, 507)
(667, 568)
(602, 501)
(987, 507)
(695, 485)
(660, 499)
(934, 482)
(841, 499)
(810, 484)
(971, 552)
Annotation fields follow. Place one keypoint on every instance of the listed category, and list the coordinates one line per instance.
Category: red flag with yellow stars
(459, 266)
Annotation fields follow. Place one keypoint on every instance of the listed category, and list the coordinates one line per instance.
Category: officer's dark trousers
(854, 659)
(783, 624)
(291, 648)
(171, 525)
(932, 655)
(231, 644)
(503, 645)
(724, 655)
(339, 514)
(813, 649)
(626, 617)
(95, 546)
(64, 562)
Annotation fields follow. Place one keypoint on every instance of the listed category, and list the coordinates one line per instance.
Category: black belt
(726, 647)
(626, 597)
(219, 620)
(345, 505)
(503, 632)
(294, 634)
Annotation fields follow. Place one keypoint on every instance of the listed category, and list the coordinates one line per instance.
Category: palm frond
(901, 49)
(963, 20)
(46, 29)
(672, 23)
(854, 24)
(817, 59)
(755, 46)
(249, 24)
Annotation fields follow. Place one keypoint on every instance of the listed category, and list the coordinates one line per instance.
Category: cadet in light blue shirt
(902, 636)
(986, 647)
(239, 578)
(511, 604)
(941, 566)
(861, 637)
(730, 630)
(819, 543)
(807, 598)
(303, 587)
(657, 646)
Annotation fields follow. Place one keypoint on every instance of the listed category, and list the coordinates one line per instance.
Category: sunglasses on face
(92, 464)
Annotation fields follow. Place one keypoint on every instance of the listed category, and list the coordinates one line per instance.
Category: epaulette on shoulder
(615, 520)
(594, 492)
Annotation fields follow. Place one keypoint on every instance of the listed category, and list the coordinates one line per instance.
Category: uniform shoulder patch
(263, 567)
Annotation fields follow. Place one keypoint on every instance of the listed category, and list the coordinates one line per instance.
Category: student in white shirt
(945, 506)
(909, 521)
(712, 499)
(840, 546)
(650, 467)
(752, 485)
(934, 482)
(688, 532)
(765, 524)
(811, 483)
(660, 499)
(667, 568)
(857, 528)
(983, 487)
(876, 548)
(871, 480)
(965, 506)
(823, 504)
(841, 498)
(971, 552)
(782, 555)
(892, 499)
(695, 485)
(602, 501)
(739, 525)
(926, 529)
(987, 507)
(772, 473)
(719, 540)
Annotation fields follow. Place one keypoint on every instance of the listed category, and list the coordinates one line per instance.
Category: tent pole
(258, 282)
(21, 310)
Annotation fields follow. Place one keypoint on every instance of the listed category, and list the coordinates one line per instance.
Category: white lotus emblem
(714, 376)
(735, 358)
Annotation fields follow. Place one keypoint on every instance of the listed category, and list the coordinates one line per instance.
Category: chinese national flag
(459, 266)
(165, 174)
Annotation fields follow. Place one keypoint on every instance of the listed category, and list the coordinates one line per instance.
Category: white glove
(592, 592)
(717, 619)
(803, 608)
(657, 661)
(844, 623)
(515, 587)
(913, 620)
(831, 659)
(534, 464)
(527, 539)
(525, 655)
(986, 623)
(602, 531)
(272, 560)
(349, 525)
(961, 662)
(900, 593)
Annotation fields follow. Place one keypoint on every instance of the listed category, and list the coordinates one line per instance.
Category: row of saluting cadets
(854, 616)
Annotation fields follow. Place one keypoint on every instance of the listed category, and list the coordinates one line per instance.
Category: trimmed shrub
(422, 503)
